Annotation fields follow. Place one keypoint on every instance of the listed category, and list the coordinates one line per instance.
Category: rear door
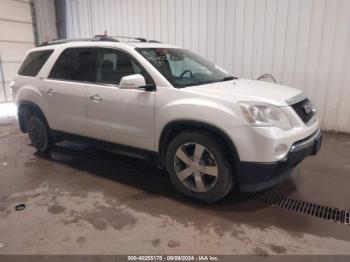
(65, 90)
(122, 116)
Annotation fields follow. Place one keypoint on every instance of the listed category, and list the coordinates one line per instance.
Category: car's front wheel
(199, 167)
(39, 134)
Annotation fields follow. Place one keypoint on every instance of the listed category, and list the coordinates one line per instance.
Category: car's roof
(123, 45)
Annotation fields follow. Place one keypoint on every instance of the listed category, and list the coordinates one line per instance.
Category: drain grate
(302, 207)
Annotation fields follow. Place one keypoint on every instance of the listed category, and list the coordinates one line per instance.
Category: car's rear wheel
(199, 167)
(39, 134)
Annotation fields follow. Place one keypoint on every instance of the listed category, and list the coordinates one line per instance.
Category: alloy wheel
(196, 167)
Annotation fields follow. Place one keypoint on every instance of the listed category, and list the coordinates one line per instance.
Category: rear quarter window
(34, 62)
(74, 64)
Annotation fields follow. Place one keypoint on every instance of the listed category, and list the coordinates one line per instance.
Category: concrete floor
(84, 201)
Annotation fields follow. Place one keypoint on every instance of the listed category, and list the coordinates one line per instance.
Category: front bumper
(258, 176)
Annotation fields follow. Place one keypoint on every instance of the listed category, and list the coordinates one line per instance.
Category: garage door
(16, 38)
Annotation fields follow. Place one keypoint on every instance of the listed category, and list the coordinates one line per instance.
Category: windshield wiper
(196, 84)
(228, 78)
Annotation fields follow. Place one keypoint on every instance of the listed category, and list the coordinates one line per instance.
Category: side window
(74, 64)
(34, 62)
(112, 65)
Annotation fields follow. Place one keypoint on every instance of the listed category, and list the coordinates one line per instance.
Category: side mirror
(132, 82)
(136, 81)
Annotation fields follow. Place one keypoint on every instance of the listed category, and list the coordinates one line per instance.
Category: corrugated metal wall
(303, 43)
(45, 17)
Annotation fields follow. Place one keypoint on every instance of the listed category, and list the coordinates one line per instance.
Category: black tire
(224, 171)
(39, 134)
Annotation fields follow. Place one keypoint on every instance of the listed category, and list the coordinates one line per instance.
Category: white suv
(211, 131)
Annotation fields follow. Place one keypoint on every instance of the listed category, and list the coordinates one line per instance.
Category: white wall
(16, 37)
(303, 43)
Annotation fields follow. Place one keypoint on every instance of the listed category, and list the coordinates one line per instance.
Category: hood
(248, 90)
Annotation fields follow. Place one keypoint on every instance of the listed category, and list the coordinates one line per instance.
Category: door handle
(96, 98)
(51, 92)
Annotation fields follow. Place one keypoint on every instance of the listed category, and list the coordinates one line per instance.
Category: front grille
(304, 109)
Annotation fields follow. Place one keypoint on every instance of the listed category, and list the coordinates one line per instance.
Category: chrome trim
(296, 99)
(50, 92)
(308, 142)
(96, 98)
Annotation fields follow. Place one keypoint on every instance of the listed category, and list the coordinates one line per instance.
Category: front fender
(218, 114)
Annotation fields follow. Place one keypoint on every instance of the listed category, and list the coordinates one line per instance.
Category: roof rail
(96, 38)
(154, 41)
(141, 39)
(105, 38)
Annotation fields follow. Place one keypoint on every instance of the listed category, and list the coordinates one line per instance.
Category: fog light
(281, 151)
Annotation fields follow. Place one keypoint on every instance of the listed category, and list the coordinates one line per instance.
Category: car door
(65, 90)
(123, 116)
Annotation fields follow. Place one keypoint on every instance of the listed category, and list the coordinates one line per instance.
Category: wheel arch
(175, 127)
(24, 110)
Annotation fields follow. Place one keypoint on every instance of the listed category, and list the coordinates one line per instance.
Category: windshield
(183, 68)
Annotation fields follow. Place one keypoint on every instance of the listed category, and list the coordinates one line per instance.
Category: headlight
(260, 114)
